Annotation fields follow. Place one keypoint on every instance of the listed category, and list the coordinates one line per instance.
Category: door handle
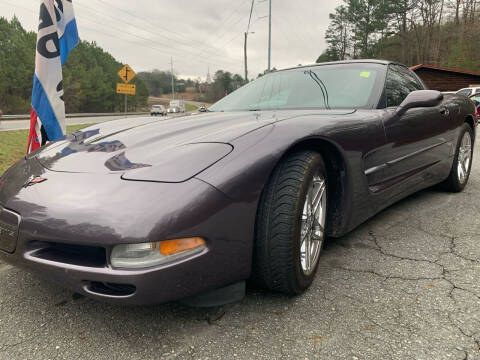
(444, 111)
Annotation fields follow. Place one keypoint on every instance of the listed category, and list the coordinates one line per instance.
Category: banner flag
(57, 36)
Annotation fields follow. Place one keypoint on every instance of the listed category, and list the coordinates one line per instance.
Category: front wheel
(290, 227)
(462, 162)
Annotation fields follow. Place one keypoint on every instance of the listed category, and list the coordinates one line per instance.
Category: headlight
(144, 255)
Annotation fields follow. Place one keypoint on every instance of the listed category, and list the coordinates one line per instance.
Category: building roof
(433, 67)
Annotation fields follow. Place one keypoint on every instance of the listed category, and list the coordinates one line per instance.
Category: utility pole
(245, 44)
(173, 86)
(269, 33)
(245, 57)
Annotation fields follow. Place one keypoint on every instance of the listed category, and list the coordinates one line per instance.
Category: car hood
(170, 150)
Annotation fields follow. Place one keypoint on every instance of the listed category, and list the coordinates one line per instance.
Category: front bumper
(70, 223)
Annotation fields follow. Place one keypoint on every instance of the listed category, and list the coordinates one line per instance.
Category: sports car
(193, 207)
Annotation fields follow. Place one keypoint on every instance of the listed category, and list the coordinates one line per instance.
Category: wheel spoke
(460, 172)
(318, 198)
(313, 224)
(307, 253)
(464, 172)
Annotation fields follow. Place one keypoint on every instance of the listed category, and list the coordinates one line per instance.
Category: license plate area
(9, 224)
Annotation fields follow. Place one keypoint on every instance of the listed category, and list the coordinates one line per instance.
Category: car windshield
(323, 87)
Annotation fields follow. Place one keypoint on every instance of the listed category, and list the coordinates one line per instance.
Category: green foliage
(17, 63)
(158, 82)
(436, 32)
(329, 55)
(223, 83)
(90, 75)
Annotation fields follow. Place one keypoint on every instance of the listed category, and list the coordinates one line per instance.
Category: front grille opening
(110, 289)
(80, 255)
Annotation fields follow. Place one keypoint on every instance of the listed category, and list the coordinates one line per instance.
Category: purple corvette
(144, 211)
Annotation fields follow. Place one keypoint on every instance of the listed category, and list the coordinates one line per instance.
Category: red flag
(35, 135)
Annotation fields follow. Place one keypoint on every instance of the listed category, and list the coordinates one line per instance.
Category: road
(167, 100)
(404, 285)
(7, 125)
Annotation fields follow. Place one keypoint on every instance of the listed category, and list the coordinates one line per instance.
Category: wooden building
(446, 79)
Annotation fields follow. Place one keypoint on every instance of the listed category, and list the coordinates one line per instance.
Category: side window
(400, 82)
(465, 92)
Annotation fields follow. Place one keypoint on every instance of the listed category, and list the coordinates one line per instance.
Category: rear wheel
(462, 162)
(290, 228)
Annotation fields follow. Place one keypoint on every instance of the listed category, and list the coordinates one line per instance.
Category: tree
(438, 32)
(337, 35)
(158, 82)
(89, 76)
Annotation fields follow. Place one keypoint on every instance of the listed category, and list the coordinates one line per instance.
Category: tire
(279, 259)
(462, 162)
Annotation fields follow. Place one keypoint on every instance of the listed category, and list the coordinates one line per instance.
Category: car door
(417, 139)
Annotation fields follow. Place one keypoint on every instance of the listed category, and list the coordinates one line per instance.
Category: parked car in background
(203, 108)
(476, 100)
(158, 110)
(180, 104)
(469, 91)
(188, 206)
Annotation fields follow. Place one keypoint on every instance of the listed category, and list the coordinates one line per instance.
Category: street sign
(127, 89)
(126, 74)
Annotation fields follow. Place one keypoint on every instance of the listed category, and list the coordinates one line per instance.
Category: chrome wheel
(313, 224)
(464, 158)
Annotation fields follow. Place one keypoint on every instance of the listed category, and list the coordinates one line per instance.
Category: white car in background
(469, 91)
(158, 110)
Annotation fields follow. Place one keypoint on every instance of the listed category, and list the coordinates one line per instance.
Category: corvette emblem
(33, 180)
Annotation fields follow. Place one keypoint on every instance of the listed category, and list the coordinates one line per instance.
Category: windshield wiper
(322, 86)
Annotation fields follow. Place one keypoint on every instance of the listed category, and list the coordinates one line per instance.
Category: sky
(198, 34)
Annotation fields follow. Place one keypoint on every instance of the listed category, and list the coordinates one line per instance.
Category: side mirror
(420, 98)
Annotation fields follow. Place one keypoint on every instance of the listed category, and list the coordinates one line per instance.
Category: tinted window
(400, 83)
(465, 92)
(324, 87)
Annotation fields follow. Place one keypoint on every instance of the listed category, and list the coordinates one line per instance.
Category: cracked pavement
(404, 285)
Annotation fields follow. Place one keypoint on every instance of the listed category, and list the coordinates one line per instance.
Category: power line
(180, 52)
(220, 47)
(150, 47)
(188, 41)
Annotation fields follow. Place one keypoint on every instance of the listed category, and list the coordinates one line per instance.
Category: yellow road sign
(128, 89)
(126, 74)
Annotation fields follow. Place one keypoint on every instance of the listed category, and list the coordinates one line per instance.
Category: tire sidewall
(460, 186)
(315, 165)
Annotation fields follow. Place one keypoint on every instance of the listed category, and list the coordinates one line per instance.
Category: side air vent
(80, 255)
(110, 289)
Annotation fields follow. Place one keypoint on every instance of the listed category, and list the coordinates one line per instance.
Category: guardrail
(26, 117)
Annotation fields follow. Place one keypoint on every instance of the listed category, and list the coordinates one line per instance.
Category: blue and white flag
(57, 36)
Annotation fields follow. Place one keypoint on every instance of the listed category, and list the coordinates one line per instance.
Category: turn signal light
(172, 247)
(145, 255)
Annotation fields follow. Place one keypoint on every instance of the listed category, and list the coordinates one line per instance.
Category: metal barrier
(26, 117)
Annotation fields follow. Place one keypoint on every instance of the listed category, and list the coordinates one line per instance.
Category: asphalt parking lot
(405, 285)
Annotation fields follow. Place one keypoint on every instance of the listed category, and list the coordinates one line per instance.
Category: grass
(13, 145)
(189, 107)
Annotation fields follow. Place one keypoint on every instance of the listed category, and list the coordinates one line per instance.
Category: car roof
(361, 61)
